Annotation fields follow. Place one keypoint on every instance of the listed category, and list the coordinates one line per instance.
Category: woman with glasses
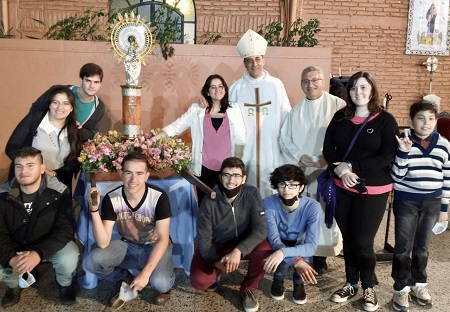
(362, 180)
(54, 132)
(293, 224)
(217, 131)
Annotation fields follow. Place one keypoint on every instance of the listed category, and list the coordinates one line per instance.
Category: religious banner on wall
(428, 27)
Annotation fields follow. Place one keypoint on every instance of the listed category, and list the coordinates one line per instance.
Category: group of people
(262, 160)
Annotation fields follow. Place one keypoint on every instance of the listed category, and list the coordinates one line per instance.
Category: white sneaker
(400, 301)
(420, 292)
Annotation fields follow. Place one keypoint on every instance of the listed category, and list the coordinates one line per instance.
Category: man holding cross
(264, 105)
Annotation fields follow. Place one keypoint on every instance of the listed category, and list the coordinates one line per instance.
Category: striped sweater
(423, 173)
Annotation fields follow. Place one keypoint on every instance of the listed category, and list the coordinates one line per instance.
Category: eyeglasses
(314, 81)
(290, 186)
(228, 176)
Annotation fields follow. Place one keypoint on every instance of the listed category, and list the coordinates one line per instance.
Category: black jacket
(374, 148)
(243, 223)
(47, 230)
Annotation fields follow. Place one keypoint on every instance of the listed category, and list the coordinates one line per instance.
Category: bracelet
(94, 210)
(297, 260)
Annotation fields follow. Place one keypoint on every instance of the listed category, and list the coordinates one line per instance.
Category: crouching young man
(142, 213)
(293, 225)
(231, 227)
(36, 224)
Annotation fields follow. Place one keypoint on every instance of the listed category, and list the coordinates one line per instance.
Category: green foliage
(298, 35)
(168, 28)
(5, 33)
(208, 38)
(78, 27)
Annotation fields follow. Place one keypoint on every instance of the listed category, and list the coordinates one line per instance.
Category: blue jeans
(64, 262)
(414, 221)
(283, 267)
(113, 262)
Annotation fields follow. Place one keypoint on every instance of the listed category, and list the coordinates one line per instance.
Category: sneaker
(420, 292)
(277, 290)
(370, 302)
(400, 301)
(67, 294)
(299, 294)
(249, 301)
(213, 287)
(345, 293)
(12, 297)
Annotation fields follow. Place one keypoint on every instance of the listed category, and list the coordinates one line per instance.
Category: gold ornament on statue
(132, 41)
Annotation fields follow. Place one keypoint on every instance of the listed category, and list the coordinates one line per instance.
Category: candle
(340, 72)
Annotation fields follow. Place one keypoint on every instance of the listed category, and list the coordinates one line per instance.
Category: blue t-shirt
(82, 110)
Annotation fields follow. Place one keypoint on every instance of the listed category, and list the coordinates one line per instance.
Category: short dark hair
(90, 70)
(29, 151)
(422, 106)
(233, 162)
(136, 155)
(287, 173)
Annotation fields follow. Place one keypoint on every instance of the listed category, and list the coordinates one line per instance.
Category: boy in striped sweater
(421, 172)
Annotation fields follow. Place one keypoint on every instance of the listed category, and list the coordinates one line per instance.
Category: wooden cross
(258, 133)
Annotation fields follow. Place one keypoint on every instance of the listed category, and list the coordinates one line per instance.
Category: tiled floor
(43, 297)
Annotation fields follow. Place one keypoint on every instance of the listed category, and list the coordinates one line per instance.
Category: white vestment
(271, 119)
(303, 133)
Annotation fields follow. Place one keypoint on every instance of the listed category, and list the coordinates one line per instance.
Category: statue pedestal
(131, 111)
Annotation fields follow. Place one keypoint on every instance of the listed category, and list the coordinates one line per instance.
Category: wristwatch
(350, 166)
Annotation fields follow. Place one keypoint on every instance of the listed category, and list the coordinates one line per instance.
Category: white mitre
(251, 44)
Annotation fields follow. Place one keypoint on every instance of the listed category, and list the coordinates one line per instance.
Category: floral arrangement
(105, 152)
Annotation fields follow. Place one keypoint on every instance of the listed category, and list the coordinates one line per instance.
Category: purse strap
(355, 136)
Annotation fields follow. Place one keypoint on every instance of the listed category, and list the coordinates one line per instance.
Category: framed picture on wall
(428, 27)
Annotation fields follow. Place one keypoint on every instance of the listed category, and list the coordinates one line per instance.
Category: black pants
(359, 217)
(210, 178)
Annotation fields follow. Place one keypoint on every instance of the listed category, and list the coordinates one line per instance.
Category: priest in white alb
(264, 105)
(301, 141)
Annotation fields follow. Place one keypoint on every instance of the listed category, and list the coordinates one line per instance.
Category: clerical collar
(319, 99)
(263, 76)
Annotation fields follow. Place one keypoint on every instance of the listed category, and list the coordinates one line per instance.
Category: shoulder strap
(355, 136)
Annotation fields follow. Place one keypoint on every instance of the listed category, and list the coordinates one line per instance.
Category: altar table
(182, 223)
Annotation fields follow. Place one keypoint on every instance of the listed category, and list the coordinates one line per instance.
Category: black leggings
(210, 178)
(358, 217)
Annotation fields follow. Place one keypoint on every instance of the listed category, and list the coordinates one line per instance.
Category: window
(147, 8)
